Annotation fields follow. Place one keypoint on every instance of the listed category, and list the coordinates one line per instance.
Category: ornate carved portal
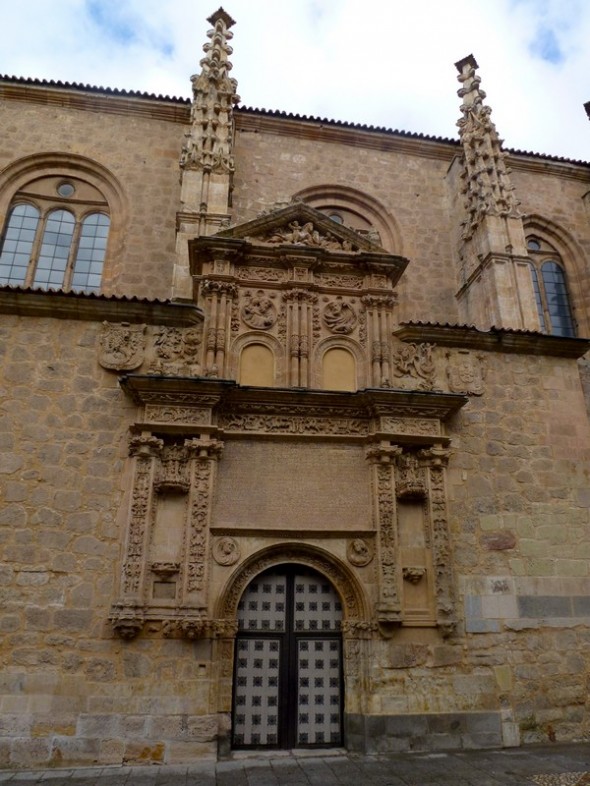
(174, 553)
(165, 563)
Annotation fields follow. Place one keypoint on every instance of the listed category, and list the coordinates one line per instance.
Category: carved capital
(204, 448)
(435, 456)
(383, 454)
(145, 446)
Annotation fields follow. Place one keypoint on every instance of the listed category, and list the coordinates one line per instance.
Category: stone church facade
(295, 446)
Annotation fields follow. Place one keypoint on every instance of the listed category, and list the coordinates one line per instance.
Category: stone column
(220, 295)
(382, 458)
(436, 459)
(203, 455)
(127, 614)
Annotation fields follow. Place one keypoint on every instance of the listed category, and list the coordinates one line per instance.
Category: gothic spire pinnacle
(486, 182)
(209, 143)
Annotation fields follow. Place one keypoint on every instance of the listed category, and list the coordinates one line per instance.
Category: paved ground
(555, 765)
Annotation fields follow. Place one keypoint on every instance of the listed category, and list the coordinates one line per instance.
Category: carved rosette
(121, 346)
(382, 458)
(437, 459)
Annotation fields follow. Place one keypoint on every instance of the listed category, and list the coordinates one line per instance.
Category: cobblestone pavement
(557, 765)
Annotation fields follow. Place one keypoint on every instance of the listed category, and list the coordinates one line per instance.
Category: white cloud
(378, 62)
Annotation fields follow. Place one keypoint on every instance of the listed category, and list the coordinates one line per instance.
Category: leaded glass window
(550, 288)
(51, 240)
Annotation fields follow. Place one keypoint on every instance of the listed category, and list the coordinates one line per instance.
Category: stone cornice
(316, 130)
(493, 340)
(97, 308)
(228, 396)
(107, 102)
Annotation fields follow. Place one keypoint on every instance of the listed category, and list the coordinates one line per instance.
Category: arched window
(550, 286)
(55, 236)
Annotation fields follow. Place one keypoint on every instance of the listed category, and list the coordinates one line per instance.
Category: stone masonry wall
(141, 153)
(69, 690)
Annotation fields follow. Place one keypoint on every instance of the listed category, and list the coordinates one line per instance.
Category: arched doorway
(288, 684)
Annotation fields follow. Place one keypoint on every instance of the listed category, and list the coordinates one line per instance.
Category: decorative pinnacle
(486, 183)
(209, 143)
(223, 15)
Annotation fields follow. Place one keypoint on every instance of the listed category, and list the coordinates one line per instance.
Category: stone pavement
(555, 765)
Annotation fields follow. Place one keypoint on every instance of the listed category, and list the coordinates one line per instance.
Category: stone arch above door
(354, 602)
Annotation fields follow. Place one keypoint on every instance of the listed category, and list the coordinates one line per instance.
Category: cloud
(378, 62)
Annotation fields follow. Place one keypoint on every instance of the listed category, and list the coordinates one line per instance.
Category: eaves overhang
(522, 342)
(91, 307)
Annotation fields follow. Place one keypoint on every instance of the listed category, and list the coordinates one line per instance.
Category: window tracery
(55, 236)
(550, 288)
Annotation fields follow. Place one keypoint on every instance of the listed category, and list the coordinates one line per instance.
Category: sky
(384, 63)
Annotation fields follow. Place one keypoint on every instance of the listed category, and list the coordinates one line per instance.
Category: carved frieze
(121, 346)
(194, 416)
(417, 426)
(340, 280)
(466, 372)
(339, 316)
(294, 424)
(258, 273)
(258, 310)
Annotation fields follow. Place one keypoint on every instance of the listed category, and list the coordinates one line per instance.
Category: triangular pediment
(300, 225)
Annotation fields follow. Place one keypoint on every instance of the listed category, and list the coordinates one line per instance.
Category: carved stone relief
(121, 346)
(177, 352)
(304, 235)
(359, 552)
(339, 316)
(226, 551)
(466, 372)
(258, 311)
(414, 362)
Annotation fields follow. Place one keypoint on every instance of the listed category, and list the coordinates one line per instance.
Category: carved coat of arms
(466, 372)
(121, 346)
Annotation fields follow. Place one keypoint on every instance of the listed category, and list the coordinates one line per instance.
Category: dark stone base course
(436, 732)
